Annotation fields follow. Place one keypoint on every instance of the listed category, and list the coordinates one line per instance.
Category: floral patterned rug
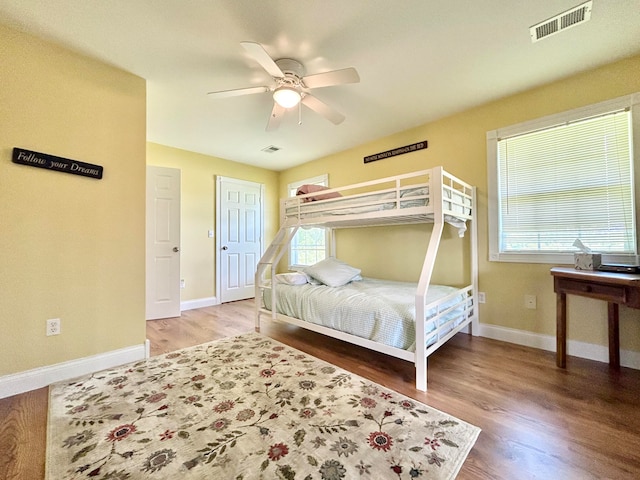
(245, 407)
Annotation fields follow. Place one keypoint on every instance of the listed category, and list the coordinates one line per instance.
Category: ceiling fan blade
(238, 91)
(261, 56)
(323, 109)
(335, 77)
(276, 116)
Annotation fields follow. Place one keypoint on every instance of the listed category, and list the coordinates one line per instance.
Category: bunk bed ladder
(270, 260)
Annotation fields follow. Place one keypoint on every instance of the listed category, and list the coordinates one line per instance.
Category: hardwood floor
(537, 421)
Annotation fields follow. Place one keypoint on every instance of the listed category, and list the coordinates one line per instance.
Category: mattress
(378, 202)
(379, 310)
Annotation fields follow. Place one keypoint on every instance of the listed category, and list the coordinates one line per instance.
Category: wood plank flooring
(538, 421)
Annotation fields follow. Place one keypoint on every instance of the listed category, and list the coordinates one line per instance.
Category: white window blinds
(568, 181)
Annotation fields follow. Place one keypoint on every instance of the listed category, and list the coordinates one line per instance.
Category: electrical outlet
(53, 326)
(530, 302)
(182, 283)
(482, 297)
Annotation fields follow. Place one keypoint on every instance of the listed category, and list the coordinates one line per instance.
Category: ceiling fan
(291, 86)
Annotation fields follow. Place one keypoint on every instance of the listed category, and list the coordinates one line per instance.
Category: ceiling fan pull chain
(300, 113)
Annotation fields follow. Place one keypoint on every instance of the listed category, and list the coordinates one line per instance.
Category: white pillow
(332, 272)
(293, 278)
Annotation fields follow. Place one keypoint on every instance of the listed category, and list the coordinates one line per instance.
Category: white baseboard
(17, 383)
(21, 382)
(590, 351)
(198, 303)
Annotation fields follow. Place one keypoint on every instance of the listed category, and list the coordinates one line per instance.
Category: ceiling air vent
(271, 149)
(568, 19)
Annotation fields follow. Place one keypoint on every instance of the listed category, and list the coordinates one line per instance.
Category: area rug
(245, 407)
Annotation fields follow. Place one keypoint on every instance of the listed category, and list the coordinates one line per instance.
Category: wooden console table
(614, 288)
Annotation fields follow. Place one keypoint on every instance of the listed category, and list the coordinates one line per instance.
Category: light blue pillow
(332, 272)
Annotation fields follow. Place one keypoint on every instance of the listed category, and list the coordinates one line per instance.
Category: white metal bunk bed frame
(444, 193)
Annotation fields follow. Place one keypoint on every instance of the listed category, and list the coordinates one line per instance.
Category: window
(565, 177)
(309, 245)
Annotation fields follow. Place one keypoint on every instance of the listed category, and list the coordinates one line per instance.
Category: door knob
(176, 249)
(225, 248)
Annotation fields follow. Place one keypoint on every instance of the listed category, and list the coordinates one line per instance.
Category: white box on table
(587, 261)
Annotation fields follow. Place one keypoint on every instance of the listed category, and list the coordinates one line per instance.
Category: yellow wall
(197, 258)
(458, 143)
(72, 247)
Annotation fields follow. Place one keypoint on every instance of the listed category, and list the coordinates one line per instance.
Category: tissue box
(587, 261)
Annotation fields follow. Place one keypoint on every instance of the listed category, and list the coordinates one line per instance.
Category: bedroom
(112, 214)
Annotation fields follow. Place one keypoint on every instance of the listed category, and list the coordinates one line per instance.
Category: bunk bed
(429, 315)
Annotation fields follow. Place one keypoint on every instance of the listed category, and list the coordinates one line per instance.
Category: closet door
(163, 243)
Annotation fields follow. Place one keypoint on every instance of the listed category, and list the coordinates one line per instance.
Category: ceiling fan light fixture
(286, 97)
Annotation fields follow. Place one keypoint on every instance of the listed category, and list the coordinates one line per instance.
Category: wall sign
(396, 151)
(59, 164)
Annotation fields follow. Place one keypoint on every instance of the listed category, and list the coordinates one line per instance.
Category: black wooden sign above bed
(396, 151)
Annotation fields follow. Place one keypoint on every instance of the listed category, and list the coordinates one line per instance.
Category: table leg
(614, 335)
(561, 330)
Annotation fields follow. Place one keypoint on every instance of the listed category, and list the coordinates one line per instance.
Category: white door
(239, 237)
(163, 243)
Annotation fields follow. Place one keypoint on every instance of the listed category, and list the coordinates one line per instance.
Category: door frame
(218, 182)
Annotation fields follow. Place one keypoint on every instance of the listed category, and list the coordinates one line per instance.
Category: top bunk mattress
(402, 199)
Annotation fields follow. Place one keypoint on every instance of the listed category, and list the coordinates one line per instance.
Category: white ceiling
(418, 60)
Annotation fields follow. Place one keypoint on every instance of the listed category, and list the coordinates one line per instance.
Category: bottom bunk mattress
(379, 310)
